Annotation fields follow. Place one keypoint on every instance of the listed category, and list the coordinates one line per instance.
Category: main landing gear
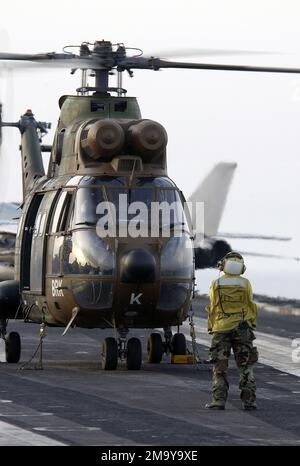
(12, 342)
(130, 351)
(174, 344)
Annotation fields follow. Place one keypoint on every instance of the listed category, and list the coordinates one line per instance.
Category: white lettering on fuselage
(57, 292)
(135, 299)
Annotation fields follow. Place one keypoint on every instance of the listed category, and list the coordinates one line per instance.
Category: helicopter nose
(138, 266)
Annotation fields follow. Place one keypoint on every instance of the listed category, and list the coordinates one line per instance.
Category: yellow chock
(183, 359)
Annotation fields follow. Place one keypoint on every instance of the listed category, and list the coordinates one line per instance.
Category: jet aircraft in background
(210, 244)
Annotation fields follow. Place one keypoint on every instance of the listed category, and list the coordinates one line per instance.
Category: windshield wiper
(89, 224)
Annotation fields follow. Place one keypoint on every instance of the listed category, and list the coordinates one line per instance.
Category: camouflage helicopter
(66, 272)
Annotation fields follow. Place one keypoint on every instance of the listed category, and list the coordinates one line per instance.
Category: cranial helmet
(232, 264)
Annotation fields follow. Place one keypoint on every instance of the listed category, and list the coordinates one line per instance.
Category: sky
(210, 116)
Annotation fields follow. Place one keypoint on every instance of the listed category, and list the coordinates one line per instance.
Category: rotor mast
(103, 52)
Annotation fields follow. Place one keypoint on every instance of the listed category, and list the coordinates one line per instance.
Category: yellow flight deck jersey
(236, 297)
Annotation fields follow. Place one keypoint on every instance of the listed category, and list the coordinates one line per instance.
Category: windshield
(152, 207)
(84, 253)
(87, 200)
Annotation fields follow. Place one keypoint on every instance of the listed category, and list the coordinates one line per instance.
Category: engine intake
(147, 137)
(105, 138)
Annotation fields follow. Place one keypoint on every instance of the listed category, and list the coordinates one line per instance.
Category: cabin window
(42, 224)
(36, 246)
(64, 213)
(60, 217)
(57, 212)
(37, 225)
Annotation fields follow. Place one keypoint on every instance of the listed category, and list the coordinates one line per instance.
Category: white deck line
(12, 435)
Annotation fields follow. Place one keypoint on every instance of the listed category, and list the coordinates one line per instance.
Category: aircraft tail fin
(213, 192)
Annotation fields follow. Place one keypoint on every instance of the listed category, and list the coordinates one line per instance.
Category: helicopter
(68, 270)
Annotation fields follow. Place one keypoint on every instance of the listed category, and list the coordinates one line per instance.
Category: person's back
(231, 320)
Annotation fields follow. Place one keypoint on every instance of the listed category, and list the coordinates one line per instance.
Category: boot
(215, 405)
(249, 406)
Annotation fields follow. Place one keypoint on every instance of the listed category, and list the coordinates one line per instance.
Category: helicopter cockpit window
(102, 180)
(175, 218)
(130, 204)
(177, 258)
(159, 181)
(84, 253)
(87, 200)
(144, 196)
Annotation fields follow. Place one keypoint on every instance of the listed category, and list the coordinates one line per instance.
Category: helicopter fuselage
(65, 263)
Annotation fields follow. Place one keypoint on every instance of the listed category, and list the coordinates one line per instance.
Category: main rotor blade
(158, 64)
(50, 60)
(194, 52)
(96, 62)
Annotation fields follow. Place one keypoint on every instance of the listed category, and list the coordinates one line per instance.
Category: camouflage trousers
(246, 355)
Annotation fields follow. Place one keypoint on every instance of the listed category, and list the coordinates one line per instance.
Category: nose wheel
(134, 354)
(155, 348)
(127, 351)
(178, 344)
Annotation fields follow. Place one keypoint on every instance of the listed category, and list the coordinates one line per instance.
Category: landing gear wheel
(13, 347)
(109, 354)
(178, 344)
(155, 348)
(134, 354)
